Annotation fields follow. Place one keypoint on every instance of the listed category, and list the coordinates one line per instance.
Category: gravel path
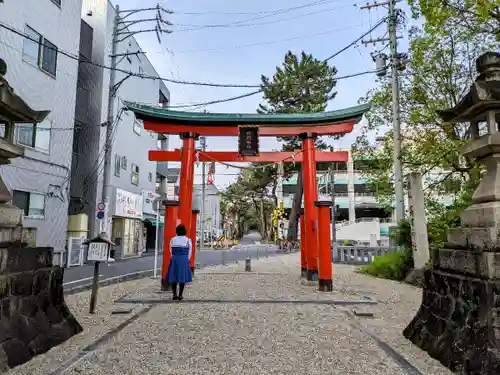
(263, 322)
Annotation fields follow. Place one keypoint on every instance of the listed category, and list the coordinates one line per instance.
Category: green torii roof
(147, 112)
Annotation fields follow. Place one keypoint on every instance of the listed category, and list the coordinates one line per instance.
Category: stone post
(420, 240)
(458, 323)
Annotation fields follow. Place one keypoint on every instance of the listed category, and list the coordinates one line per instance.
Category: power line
(124, 71)
(331, 31)
(194, 83)
(242, 24)
(276, 11)
(232, 98)
(356, 40)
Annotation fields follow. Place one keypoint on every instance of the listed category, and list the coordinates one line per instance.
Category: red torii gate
(248, 127)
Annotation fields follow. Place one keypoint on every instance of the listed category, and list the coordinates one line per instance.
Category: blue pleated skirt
(179, 269)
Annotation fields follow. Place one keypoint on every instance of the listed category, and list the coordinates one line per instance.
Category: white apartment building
(358, 212)
(133, 177)
(211, 210)
(46, 78)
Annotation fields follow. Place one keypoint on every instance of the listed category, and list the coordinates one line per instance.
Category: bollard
(267, 252)
(248, 265)
(223, 262)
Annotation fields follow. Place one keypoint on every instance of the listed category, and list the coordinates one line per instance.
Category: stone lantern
(13, 110)
(457, 322)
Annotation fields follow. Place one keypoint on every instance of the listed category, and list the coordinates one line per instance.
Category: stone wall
(33, 314)
(458, 322)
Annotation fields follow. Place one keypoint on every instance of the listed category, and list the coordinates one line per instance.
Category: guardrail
(358, 255)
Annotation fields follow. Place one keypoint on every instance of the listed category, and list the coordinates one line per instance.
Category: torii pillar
(187, 180)
(171, 215)
(192, 261)
(310, 210)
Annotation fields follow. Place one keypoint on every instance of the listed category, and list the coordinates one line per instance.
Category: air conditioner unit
(76, 249)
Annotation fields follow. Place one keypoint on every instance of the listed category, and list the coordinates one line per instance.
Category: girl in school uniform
(179, 269)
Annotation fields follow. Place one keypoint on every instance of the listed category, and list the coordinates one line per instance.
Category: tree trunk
(262, 220)
(293, 222)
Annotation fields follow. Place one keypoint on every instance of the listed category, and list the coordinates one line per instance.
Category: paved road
(251, 238)
(79, 276)
(244, 324)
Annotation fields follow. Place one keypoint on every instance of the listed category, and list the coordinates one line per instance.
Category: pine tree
(301, 85)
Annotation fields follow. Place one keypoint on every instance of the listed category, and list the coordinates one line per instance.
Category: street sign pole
(95, 286)
(156, 238)
(99, 248)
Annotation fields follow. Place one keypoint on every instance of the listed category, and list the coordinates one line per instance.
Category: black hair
(181, 230)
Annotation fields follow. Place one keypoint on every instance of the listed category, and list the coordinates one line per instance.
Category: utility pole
(395, 66)
(203, 143)
(121, 32)
(106, 185)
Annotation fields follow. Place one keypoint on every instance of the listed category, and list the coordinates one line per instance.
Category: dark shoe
(175, 298)
(180, 298)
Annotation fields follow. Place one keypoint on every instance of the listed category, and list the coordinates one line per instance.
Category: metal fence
(235, 254)
(358, 254)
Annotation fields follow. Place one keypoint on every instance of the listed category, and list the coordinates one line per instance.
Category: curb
(112, 281)
(134, 276)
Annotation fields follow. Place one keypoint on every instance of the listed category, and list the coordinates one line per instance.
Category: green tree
(303, 84)
(439, 71)
(246, 201)
(473, 17)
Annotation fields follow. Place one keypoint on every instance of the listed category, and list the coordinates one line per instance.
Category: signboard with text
(148, 199)
(98, 252)
(128, 204)
(248, 140)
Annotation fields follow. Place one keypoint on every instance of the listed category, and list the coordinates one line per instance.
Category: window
(124, 162)
(49, 57)
(57, 2)
(158, 183)
(35, 135)
(137, 127)
(31, 46)
(150, 177)
(39, 51)
(135, 174)
(118, 165)
(32, 204)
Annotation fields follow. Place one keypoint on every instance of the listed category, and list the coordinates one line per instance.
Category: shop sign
(128, 204)
(148, 202)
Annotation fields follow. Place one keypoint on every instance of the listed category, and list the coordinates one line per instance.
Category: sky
(250, 39)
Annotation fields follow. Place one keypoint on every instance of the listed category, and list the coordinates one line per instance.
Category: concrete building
(46, 77)
(212, 216)
(360, 216)
(134, 178)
